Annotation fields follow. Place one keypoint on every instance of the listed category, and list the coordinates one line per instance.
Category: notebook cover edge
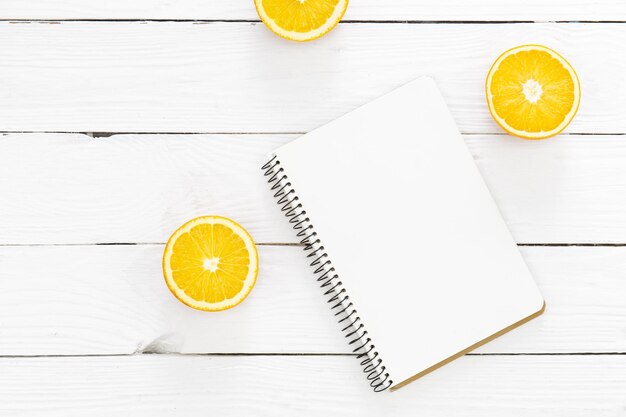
(469, 349)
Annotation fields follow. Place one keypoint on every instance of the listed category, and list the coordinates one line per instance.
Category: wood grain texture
(79, 300)
(399, 10)
(69, 188)
(239, 77)
(60, 192)
(260, 386)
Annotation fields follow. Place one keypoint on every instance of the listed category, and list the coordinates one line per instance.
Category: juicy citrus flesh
(532, 92)
(210, 263)
(301, 20)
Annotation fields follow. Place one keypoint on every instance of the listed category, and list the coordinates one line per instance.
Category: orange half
(532, 92)
(210, 263)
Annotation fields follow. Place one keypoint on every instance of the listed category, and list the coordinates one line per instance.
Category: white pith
(532, 90)
(211, 264)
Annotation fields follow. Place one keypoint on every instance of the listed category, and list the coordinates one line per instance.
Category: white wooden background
(119, 120)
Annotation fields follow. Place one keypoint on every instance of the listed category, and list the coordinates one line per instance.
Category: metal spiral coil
(352, 327)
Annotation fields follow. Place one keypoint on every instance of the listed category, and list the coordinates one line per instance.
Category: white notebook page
(411, 228)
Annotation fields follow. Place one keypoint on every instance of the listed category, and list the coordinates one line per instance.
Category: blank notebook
(411, 252)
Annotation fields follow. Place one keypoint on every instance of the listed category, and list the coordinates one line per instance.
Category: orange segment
(301, 20)
(532, 92)
(210, 263)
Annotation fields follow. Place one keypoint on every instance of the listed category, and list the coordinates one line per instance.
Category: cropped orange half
(301, 20)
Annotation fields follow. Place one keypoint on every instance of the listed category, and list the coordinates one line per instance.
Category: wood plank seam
(347, 21)
(294, 354)
(104, 135)
(278, 244)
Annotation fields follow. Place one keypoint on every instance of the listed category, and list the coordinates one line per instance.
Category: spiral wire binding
(352, 327)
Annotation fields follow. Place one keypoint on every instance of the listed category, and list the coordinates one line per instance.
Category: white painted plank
(76, 300)
(238, 77)
(400, 10)
(64, 188)
(308, 386)
(137, 188)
